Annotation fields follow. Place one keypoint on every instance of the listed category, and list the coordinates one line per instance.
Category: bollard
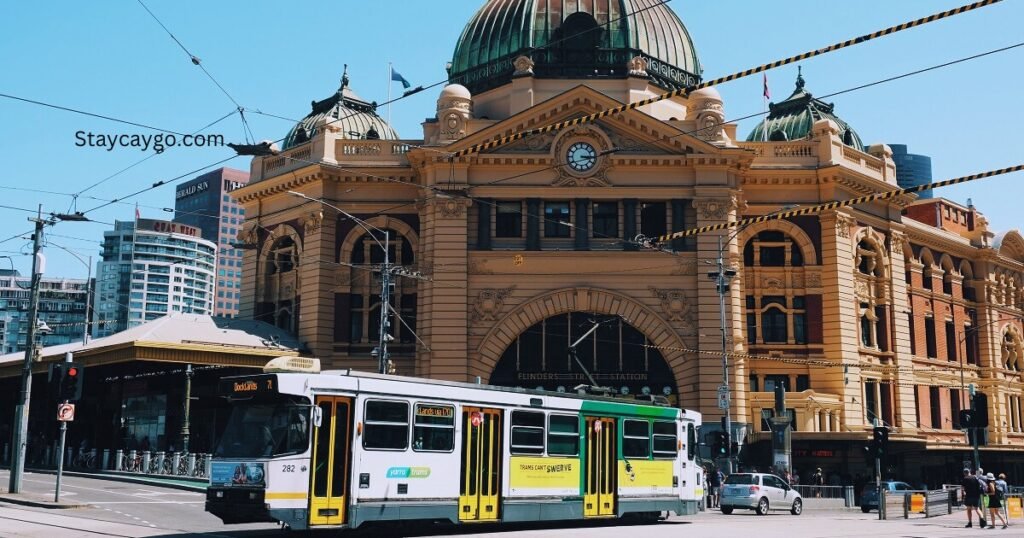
(119, 460)
(190, 465)
(208, 465)
(159, 463)
(145, 462)
(132, 458)
(106, 459)
(848, 497)
(175, 463)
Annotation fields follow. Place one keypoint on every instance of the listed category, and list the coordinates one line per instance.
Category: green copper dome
(574, 39)
(792, 119)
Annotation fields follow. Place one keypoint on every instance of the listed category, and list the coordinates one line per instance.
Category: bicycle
(84, 460)
(130, 464)
(199, 471)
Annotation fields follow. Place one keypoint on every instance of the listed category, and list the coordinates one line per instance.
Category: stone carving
(843, 225)
(674, 304)
(524, 67)
(798, 280)
(489, 302)
(861, 290)
(532, 144)
(814, 280)
(313, 222)
(714, 208)
(451, 209)
(637, 66)
(772, 283)
(453, 126)
(896, 240)
(478, 266)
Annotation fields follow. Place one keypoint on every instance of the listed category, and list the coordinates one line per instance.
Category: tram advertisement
(538, 473)
(226, 473)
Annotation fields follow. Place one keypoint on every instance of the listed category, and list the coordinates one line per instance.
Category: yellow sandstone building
(885, 311)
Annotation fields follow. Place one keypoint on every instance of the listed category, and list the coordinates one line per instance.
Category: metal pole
(88, 303)
(878, 486)
(20, 441)
(385, 274)
(187, 405)
(725, 357)
(974, 429)
(60, 450)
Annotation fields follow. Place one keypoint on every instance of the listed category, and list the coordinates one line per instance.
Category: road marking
(146, 502)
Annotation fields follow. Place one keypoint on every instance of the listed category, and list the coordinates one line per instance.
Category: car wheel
(798, 507)
(726, 510)
(762, 506)
(865, 509)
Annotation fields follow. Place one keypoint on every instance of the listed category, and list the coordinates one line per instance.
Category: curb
(24, 501)
(198, 487)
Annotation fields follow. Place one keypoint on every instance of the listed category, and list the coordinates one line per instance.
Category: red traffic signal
(71, 383)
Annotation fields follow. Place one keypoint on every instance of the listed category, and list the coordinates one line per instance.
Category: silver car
(760, 492)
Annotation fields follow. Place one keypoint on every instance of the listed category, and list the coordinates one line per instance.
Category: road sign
(476, 419)
(597, 426)
(65, 412)
(723, 399)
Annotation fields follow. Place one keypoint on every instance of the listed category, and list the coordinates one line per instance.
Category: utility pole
(385, 302)
(20, 434)
(187, 406)
(974, 428)
(721, 278)
(63, 436)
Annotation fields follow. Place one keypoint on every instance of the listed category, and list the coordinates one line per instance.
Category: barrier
(1014, 507)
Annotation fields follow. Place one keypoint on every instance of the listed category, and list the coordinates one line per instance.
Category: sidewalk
(173, 482)
(36, 501)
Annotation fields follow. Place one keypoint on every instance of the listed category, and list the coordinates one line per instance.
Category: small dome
(574, 40)
(793, 118)
(706, 93)
(455, 91)
(355, 118)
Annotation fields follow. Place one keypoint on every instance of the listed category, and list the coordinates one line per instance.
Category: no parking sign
(65, 412)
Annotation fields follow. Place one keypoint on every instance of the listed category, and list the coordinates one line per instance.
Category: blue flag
(397, 77)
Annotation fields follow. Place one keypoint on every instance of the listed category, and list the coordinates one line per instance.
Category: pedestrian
(996, 497)
(971, 493)
(796, 477)
(817, 480)
(715, 481)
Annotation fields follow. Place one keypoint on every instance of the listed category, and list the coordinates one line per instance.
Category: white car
(760, 492)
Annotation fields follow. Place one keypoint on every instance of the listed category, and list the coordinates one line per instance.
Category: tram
(341, 449)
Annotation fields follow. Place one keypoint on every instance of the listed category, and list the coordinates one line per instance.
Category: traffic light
(54, 379)
(880, 440)
(980, 406)
(966, 418)
(719, 445)
(71, 382)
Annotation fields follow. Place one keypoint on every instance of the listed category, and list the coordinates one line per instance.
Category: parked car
(869, 495)
(760, 492)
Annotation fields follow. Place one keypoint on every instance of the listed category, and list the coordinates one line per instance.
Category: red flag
(137, 214)
(767, 94)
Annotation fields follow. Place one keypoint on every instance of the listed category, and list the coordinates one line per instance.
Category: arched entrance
(617, 355)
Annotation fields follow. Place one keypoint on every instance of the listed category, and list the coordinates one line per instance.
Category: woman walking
(996, 498)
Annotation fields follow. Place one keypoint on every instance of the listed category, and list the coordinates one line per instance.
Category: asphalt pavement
(119, 509)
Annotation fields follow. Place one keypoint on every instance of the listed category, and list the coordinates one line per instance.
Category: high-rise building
(204, 203)
(911, 169)
(150, 268)
(62, 307)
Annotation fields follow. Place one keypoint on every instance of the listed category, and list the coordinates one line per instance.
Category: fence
(826, 496)
(181, 464)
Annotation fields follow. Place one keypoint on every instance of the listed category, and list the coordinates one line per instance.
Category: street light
(187, 404)
(381, 353)
(88, 284)
(722, 277)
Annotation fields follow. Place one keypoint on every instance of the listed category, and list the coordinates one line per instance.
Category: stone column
(448, 317)
(316, 311)
(839, 317)
(903, 403)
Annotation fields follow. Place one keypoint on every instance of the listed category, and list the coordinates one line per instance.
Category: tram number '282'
(287, 468)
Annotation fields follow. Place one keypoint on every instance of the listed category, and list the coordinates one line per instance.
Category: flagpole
(764, 125)
(389, 92)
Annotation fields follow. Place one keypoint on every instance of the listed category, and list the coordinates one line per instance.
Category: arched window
(869, 261)
(774, 326)
(772, 248)
(365, 293)
(283, 256)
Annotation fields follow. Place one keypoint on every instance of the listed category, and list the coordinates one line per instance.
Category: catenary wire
(90, 114)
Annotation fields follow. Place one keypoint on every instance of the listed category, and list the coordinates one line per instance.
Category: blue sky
(111, 58)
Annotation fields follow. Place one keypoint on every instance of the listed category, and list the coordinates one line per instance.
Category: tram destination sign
(248, 386)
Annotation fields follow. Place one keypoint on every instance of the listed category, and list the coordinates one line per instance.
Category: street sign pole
(60, 449)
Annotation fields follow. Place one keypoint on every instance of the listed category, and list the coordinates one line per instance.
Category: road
(118, 509)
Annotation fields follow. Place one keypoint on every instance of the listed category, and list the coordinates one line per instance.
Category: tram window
(434, 428)
(386, 425)
(636, 438)
(691, 442)
(527, 432)
(563, 435)
(664, 440)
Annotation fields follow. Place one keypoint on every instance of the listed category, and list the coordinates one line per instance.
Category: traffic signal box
(879, 443)
(66, 380)
(720, 445)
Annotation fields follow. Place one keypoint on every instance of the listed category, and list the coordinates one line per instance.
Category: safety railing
(917, 503)
(183, 464)
(821, 492)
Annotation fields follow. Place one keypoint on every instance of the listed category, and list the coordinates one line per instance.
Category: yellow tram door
(480, 482)
(600, 466)
(328, 497)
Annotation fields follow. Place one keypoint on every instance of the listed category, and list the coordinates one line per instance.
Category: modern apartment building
(150, 268)
(63, 306)
(204, 203)
(912, 169)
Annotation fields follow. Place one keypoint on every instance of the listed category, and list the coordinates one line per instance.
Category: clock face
(581, 156)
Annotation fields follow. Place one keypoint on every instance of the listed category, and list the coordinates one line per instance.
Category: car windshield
(266, 427)
(741, 479)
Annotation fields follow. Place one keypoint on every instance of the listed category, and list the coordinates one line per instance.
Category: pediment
(631, 132)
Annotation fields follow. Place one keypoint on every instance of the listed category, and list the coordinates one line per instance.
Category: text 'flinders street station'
(864, 314)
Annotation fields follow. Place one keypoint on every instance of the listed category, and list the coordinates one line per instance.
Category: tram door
(481, 464)
(328, 497)
(601, 468)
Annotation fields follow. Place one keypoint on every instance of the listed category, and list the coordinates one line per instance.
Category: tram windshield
(266, 427)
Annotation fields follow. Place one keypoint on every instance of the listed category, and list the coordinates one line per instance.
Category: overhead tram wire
(456, 194)
(90, 114)
(887, 195)
(682, 92)
(455, 80)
